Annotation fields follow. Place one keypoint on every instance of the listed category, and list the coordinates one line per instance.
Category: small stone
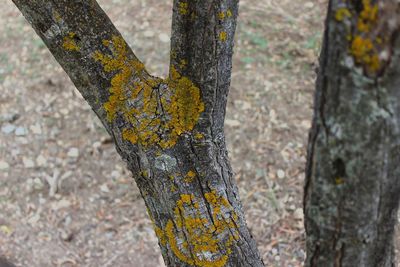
(164, 37)
(298, 214)
(41, 161)
(64, 111)
(20, 131)
(306, 124)
(96, 145)
(148, 34)
(28, 163)
(63, 203)
(36, 129)
(104, 188)
(33, 220)
(4, 166)
(115, 174)
(73, 152)
(280, 173)
(65, 235)
(38, 184)
(8, 128)
(232, 123)
(309, 5)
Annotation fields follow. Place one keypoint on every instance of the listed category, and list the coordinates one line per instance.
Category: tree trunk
(353, 173)
(169, 131)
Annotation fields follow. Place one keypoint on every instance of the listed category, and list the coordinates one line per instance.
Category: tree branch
(202, 47)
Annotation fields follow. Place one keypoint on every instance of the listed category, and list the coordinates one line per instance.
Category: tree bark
(169, 131)
(353, 173)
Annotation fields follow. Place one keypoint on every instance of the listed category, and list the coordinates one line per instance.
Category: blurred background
(50, 140)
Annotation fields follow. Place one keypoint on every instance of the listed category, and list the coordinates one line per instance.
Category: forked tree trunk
(353, 171)
(169, 131)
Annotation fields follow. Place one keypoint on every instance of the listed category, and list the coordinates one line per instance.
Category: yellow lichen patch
(229, 13)
(364, 53)
(223, 36)
(183, 8)
(69, 42)
(197, 240)
(156, 111)
(160, 235)
(367, 17)
(189, 177)
(339, 180)
(364, 44)
(57, 16)
(199, 136)
(221, 15)
(342, 13)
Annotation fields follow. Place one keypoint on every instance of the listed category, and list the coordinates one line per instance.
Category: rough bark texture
(169, 131)
(353, 173)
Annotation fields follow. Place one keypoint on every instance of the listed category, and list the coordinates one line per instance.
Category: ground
(51, 140)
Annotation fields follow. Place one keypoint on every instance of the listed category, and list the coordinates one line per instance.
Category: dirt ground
(50, 136)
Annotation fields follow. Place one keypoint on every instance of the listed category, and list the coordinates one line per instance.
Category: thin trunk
(169, 131)
(353, 173)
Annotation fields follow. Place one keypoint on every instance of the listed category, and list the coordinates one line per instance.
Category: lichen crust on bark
(157, 110)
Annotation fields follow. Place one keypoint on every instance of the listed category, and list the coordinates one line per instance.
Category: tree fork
(169, 131)
(352, 176)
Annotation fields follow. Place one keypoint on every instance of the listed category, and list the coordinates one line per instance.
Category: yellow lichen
(57, 16)
(364, 44)
(364, 53)
(199, 136)
(160, 235)
(221, 15)
(223, 36)
(342, 13)
(183, 8)
(189, 177)
(367, 17)
(229, 13)
(69, 43)
(339, 180)
(197, 240)
(153, 117)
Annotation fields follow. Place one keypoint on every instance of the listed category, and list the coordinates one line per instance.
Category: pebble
(38, 184)
(115, 174)
(148, 34)
(232, 123)
(164, 37)
(28, 163)
(298, 214)
(41, 161)
(280, 173)
(36, 129)
(104, 188)
(34, 219)
(73, 152)
(309, 5)
(4, 166)
(63, 203)
(20, 131)
(8, 128)
(306, 124)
